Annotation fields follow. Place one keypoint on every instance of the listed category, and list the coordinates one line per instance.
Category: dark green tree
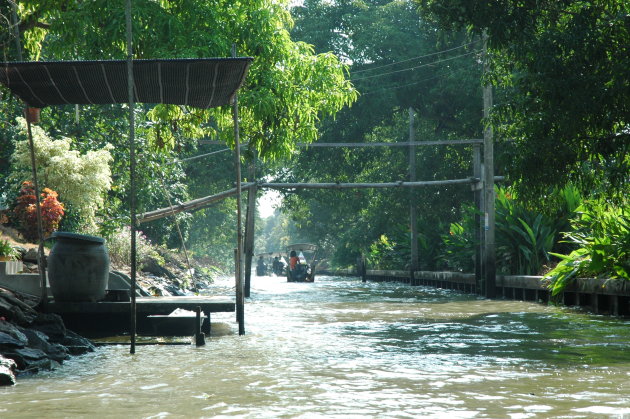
(563, 68)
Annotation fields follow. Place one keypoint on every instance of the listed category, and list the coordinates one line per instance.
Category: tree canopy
(564, 98)
(288, 88)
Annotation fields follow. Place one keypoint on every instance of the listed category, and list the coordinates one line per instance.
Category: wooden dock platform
(107, 318)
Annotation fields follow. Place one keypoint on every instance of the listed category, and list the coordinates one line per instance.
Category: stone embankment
(31, 341)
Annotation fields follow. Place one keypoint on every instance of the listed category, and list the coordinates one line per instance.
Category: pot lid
(76, 236)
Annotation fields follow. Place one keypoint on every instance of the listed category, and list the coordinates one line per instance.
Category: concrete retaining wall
(601, 296)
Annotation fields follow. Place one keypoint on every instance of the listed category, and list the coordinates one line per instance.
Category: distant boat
(304, 269)
(270, 263)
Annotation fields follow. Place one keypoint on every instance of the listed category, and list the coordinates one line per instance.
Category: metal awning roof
(201, 83)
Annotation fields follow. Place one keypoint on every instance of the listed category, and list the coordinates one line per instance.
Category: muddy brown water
(340, 348)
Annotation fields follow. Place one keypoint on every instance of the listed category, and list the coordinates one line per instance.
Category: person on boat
(293, 260)
(261, 269)
(277, 266)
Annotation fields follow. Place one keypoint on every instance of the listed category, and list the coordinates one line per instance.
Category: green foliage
(563, 99)
(383, 254)
(288, 88)
(601, 233)
(7, 250)
(82, 180)
(458, 246)
(525, 236)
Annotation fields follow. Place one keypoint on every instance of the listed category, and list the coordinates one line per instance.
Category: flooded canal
(339, 348)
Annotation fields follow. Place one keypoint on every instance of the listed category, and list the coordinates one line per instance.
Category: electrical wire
(197, 157)
(415, 58)
(416, 67)
(413, 83)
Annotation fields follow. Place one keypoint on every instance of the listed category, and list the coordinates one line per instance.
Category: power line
(414, 58)
(197, 157)
(395, 87)
(416, 67)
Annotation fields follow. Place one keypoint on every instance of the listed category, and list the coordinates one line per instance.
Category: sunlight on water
(341, 348)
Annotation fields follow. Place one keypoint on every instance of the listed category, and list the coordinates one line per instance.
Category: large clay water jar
(78, 267)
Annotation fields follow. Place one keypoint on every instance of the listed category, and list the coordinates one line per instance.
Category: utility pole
(412, 201)
(488, 159)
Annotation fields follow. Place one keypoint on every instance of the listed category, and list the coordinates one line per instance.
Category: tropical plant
(6, 250)
(459, 244)
(25, 211)
(601, 233)
(524, 236)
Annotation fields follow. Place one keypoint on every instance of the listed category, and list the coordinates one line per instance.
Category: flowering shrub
(80, 179)
(25, 211)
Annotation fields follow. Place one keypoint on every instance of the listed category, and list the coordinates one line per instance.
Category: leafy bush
(25, 211)
(7, 250)
(80, 179)
(524, 236)
(459, 245)
(119, 247)
(394, 251)
(601, 232)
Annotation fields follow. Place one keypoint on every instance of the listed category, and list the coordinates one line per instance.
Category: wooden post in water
(413, 266)
(200, 338)
(488, 160)
(478, 194)
(250, 221)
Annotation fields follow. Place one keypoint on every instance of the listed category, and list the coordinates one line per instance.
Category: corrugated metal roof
(201, 83)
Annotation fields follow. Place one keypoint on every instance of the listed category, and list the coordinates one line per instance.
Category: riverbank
(32, 340)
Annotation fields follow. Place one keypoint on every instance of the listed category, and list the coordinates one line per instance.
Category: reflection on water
(341, 348)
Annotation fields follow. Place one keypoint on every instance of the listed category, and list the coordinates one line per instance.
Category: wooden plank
(401, 184)
(144, 305)
(190, 205)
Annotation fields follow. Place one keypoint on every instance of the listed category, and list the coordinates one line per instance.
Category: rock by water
(31, 341)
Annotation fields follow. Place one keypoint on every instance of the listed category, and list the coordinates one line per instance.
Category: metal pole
(41, 266)
(412, 202)
(132, 175)
(488, 158)
(38, 210)
(240, 301)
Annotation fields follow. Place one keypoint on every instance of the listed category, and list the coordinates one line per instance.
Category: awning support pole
(40, 225)
(132, 175)
(38, 208)
(240, 300)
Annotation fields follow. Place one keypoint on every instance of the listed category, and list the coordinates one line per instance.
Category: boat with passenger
(301, 262)
(271, 263)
